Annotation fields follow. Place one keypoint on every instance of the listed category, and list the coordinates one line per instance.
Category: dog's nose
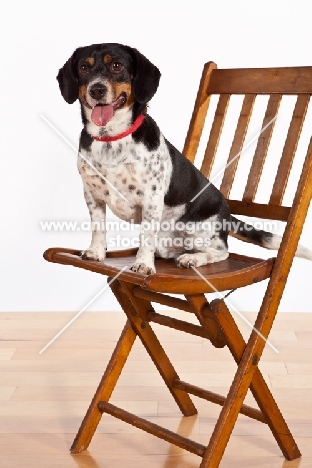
(97, 91)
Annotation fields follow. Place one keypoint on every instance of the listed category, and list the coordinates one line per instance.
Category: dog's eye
(116, 66)
(83, 68)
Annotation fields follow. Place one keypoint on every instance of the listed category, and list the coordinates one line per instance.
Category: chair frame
(135, 293)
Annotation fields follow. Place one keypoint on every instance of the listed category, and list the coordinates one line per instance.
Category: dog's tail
(247, 233)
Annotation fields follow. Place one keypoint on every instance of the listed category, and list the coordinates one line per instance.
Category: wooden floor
(43, 398)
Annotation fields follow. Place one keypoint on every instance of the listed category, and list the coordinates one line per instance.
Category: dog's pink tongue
(102, 114)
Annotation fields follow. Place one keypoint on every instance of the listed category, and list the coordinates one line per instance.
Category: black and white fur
(155, 178)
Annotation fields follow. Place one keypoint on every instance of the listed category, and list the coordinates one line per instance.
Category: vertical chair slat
(215, 134)
(289, 150)
(199, 114)
(262, 148)
(237, 145)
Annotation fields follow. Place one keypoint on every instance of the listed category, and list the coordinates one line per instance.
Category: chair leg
(247, 375)
(105, 389)
(136, 310)
(258, 387)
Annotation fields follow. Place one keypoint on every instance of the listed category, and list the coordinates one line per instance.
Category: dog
(126, 163)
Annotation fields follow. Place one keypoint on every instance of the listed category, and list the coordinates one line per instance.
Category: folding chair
(135, 292)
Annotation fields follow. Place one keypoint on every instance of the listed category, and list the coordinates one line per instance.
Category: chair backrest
(251, 83)
(275, 82)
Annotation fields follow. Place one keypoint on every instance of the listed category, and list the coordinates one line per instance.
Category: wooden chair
(135, 292)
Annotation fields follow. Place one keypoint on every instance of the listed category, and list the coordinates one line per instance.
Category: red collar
(136, 124)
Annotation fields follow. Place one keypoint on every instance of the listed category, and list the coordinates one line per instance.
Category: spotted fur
(142, 177)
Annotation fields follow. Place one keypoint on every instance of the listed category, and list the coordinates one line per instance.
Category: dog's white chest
(126, 176)
(125, 192)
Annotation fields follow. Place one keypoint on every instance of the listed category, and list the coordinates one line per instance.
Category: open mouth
(102, 113)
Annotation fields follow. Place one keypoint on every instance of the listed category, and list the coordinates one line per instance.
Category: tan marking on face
(107, 58)
(119, 88)
(82, 95)
(90, 61)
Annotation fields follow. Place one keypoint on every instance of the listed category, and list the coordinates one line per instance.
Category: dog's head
(106, 78)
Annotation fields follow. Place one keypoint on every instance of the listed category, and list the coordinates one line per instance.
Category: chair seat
(234, 272)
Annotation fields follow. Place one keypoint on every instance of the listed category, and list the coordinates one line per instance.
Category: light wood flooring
(43, 398)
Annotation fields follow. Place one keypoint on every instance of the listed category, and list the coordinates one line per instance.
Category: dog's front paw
(186, 261)
(93, 254)
(143, 268)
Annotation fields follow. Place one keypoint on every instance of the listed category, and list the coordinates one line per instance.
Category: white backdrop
(39, 179)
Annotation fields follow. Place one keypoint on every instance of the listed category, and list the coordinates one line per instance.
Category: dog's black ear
(146, 78)
(68, 80)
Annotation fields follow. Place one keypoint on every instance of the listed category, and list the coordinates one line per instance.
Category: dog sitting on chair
(126, 163)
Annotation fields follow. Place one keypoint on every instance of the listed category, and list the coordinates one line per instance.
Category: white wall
(39, 180)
